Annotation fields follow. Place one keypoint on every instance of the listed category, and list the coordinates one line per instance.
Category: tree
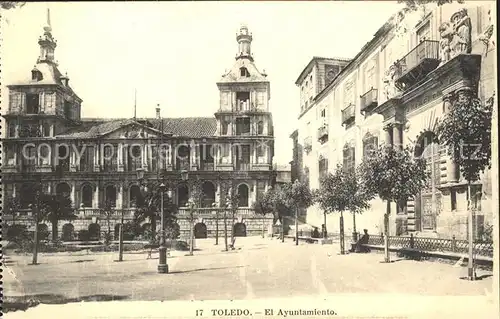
(297, 196)
(230, 202)
(148, 204)
(466, 131)
(395, 175)
(263, 206)
(7, 5)
(54, 208)
(195, 201)
(11, 207)
(342, 191)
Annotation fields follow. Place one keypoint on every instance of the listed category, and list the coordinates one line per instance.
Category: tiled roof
(193, 127)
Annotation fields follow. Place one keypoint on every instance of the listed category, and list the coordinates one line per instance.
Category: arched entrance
(208, 189)
(240, 230)
(94, 231)
(200, 230)
(428, 202)
(68, 231)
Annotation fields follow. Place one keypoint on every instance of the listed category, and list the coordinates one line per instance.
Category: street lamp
(162, 265)
(191, 205)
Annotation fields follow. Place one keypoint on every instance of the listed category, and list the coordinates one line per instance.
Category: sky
(174, 53)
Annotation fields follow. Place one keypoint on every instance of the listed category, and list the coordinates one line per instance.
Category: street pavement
(258, 268)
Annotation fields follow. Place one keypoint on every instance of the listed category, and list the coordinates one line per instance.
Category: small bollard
(453, 244)
(412, 241)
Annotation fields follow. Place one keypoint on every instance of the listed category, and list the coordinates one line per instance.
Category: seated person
(359, 247)
(315, 233)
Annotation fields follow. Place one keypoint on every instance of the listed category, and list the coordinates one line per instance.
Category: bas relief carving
(456, 36)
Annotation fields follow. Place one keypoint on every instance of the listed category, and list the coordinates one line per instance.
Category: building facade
(98, 161)
(394, 91)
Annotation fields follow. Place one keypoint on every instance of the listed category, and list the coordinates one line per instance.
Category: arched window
(260, 127)
(134, 158)
(134, 193)
(243, 195)
(244, 72)
(63, 189)
(182, 195)
(110, 195)
(87, 195)
(208, 189)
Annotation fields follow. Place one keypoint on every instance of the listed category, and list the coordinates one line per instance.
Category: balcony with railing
(348, 114)
(419, 62)
(212, 212)
(323, 133)
(369, 100)
(308, 144)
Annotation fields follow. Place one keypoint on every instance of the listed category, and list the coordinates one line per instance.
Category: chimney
(158, 112)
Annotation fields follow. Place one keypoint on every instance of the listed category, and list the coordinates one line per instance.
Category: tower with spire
(244, 111)
(42, 103)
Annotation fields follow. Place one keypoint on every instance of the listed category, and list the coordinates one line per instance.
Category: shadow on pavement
(201, 269)
(82, 261)
(24, 302)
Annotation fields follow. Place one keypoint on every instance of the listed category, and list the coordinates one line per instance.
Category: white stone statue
(447, 34)
(390, 89)
(463, 29)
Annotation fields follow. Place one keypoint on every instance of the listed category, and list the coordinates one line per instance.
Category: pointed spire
(48, 27)
(135, 104)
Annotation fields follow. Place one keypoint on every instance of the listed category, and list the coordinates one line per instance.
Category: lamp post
(191, 234)
(162, 265)
(214, 205)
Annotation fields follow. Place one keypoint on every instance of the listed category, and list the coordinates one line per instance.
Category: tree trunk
(54, 229)
(471, 274)
(282, 230)
(225, 229)
(263, 226)
(354, 232)
(325, 231)
(232, 229)
(342, 242)
(35, 240)
(296, 226)
(153, 227)
(386, 232)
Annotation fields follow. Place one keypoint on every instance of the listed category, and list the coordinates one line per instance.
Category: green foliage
(342, 191)
(393, 174)
(466, 130)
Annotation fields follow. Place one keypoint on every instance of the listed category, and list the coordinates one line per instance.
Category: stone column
(97, 158)
(150, 156)
(217, 194)
(230, 154)
(193, 157)
(397, 135)
(120, 157)
(52, 130)
(388, 134)
(72, 195)
(451, 170)
(119, 197)
(72, 159)
(144, 157)
(95, 198)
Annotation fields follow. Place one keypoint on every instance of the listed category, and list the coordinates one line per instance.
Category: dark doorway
(200, 230)
(240, 230)
(68, 231)
(94, 231)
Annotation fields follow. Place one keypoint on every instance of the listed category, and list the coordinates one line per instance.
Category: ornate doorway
(429, 202)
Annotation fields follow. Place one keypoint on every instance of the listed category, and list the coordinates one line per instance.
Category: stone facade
(98, 161)
(394, 91)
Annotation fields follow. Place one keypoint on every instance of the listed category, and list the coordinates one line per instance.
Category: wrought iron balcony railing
(419, 62)
(348, 114)
(369, 100)
(323, 132)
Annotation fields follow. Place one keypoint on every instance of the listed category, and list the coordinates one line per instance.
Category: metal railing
(427, 49)
(369, 99)
(323, 131)
(210, 211)
(434, 244)
(348, 114)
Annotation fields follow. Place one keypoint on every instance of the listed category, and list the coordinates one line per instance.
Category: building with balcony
(394, 91)
(95, 161)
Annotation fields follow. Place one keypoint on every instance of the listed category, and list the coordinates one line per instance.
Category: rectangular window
(243, 126)
(15, 102)
(32, 103)
(453, 199)
(370, 145)
(424, 33)
(323, 167)
(12, 130)
(349, 159)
